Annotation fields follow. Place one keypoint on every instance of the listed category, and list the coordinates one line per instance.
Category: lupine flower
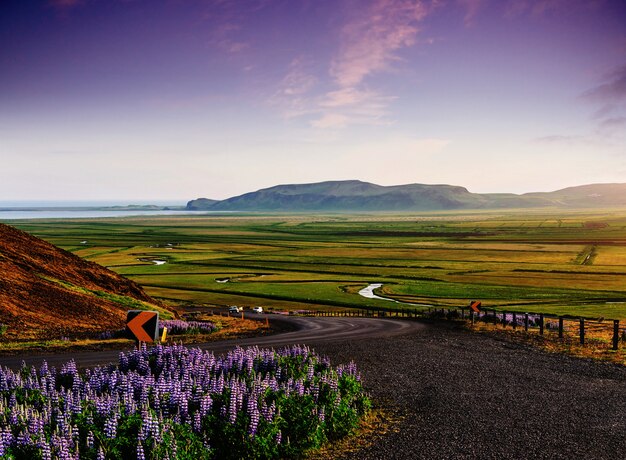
(60, 413)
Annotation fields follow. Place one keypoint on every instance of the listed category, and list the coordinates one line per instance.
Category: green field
(567, 263)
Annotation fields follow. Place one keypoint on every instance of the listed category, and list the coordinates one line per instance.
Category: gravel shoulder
(467, 395)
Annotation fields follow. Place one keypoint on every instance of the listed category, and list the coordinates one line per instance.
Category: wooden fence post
(541, 324)
(514, 320)
(582, 331)
(615, 334)
(560, 327)
(526, 322)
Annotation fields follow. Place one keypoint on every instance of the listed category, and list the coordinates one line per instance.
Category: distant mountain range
(354, 195)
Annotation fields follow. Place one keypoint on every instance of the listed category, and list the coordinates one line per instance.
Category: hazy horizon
(34, 203)
(86, 203)
(106, 100)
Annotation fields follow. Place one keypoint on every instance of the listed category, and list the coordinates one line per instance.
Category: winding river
(368, 292)
(154, 261)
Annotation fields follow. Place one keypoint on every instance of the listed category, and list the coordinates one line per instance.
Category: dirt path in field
(462, 395)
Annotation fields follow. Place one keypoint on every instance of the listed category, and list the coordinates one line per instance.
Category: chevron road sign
(142, 325)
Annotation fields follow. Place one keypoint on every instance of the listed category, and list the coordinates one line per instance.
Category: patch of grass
(374, 425)
(125, 301)
(597, 344)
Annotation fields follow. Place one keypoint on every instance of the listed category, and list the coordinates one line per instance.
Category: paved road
(301, 330)
(463, 395)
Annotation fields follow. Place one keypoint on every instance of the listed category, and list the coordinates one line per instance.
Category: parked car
(234, 309)
(257, 309)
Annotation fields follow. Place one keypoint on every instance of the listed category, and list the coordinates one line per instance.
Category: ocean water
(6, 216)
(83, 203)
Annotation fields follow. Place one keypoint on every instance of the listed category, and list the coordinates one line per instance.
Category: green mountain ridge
(355, 195)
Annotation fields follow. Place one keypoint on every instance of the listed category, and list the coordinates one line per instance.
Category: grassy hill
(47, 292)
(354, 195)
(586, 196)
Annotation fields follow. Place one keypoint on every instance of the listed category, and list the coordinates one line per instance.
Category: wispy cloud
(293, 94)
(369, 44)
(331, 120)
(539, 8)
(611, 90)
(614, 122)
(559, 139)
(472, 7)
(229, 17)
(357, 106)
(372, 38)
(224, 38)
(612, 126)
(610, 95)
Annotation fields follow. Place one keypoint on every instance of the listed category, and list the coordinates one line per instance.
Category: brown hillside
(46, 292)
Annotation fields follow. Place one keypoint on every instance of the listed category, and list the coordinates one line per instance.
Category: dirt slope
(46, 292)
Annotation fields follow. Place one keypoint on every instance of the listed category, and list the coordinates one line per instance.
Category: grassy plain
(570, 262)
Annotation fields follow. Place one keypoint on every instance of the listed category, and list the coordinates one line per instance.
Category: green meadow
(561, 262)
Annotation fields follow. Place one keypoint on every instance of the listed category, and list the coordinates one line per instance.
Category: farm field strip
(574, 261)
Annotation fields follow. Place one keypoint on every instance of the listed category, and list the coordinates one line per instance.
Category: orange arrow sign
(475, 306)
(136, 325)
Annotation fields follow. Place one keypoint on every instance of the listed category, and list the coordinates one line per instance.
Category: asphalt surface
(461, 395)
(300, 330)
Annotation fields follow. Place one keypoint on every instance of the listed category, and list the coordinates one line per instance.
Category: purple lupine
(176, 327)
(164, 385)
(140, 453)
(253, 413)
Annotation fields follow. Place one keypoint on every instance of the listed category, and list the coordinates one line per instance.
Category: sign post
(142, 325)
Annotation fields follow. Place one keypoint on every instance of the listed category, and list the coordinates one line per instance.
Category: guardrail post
(582, 331)
(526, 322)
(541, 324)
(560, 327)
(615, 333)
(514, 320)
(471, 313)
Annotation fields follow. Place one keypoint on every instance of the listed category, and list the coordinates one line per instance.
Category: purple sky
(176, 99)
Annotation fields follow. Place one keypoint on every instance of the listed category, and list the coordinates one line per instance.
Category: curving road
(303, 331)
(459, 395)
